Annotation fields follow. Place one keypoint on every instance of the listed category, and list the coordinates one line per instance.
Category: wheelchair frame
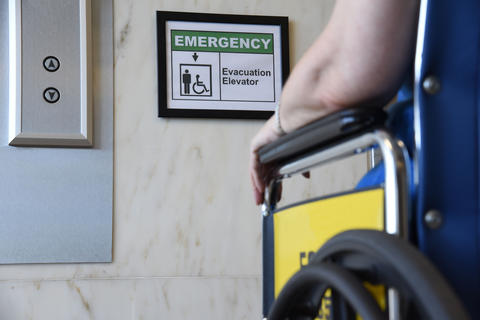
(396, 182)
(396, 201)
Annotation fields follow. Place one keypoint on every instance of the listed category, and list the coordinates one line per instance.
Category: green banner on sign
(211, 41)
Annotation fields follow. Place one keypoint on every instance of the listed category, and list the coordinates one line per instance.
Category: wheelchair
(407, 246)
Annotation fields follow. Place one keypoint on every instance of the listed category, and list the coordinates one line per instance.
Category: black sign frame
(165, 16)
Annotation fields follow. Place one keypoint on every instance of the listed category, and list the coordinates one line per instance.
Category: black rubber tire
(417, 277)
(325, 275)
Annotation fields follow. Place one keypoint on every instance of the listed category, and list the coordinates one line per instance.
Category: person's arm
(360, 58)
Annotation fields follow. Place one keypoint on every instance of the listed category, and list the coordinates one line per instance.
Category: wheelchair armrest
(323, 132)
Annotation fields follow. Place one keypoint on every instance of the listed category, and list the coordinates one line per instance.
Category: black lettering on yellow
(306, 257)
(303, 261)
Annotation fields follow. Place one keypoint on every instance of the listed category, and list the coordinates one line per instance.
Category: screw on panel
(433, 219)
(431, 85)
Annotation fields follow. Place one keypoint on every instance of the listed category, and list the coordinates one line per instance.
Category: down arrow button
(51, 95)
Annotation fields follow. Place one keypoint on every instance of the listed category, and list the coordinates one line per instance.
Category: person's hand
(260, 174)
(361, 58)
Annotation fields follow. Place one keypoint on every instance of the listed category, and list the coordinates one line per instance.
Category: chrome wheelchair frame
(394, 155)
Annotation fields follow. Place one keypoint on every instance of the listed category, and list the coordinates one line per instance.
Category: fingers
(255, 172)
(259, 196)
(260, 175)
(258, 192)
(256, 178)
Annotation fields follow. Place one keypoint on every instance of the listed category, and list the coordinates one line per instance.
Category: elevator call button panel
(50, 96)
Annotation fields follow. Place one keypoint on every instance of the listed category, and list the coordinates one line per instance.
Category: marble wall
(187, 235)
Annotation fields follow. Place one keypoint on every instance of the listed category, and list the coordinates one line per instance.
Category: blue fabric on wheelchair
(448, 160)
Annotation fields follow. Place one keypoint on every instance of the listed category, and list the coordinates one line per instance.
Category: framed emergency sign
(220, 66)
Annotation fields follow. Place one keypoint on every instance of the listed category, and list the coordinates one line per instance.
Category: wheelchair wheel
(316, 279)
(380, 258)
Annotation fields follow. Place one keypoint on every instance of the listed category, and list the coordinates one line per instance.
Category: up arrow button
(51, 64)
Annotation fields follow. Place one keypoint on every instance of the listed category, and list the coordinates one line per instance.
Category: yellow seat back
(300, 230)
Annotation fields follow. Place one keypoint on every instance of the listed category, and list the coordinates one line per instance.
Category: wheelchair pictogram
(199, 87)
(195, 80)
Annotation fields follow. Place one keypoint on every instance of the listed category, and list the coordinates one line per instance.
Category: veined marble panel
(157, 298)
(183, 204)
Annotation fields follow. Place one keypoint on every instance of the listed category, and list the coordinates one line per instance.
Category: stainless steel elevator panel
(50, 73)
(56, 203)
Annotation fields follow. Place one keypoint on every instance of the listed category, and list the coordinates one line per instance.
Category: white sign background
(261, 95)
